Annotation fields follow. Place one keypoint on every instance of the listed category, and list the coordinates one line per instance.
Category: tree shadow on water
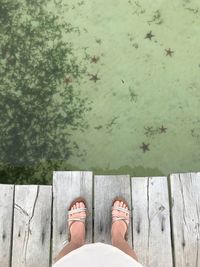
(38, 107)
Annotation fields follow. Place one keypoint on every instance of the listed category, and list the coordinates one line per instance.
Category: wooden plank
(151, 221)
(68, 185)
(106, 188)
(6, 216)
(32, 226)
(185, 192)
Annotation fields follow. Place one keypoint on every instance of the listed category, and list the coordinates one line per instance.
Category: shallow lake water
(107, 86)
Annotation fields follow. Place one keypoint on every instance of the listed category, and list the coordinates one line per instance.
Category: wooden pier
(164, 227)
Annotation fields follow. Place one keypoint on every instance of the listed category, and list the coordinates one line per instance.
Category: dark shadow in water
(38, 101)
(42, 173)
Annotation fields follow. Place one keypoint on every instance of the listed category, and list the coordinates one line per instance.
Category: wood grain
(32, 226)
(185, 192)
(151, 221)
(6, 219)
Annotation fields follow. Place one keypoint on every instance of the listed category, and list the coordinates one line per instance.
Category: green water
(108, 86)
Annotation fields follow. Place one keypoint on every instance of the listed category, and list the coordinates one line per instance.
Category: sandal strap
(65, 241)
(81, 219)
(120, 209)
(76, 210)
(116, 218)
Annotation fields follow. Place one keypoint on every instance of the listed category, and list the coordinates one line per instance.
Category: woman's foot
(119, 228)
(77, 228)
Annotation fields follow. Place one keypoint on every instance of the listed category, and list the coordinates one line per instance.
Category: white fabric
(97, 255)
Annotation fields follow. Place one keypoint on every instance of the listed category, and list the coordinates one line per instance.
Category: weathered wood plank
(6, 218)
(151, 221)
(68, 185)
(185, 192)
(32, 226)
(106, 188)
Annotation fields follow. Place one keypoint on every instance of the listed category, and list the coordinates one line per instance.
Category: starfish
(68, 80)
(94, 77)
(98, 127)
(163, 129)
(94, 59)
(149, 35)
(149, 131)
(145, 147)
(169, 52)
(98, 41)
(148, 128)
(132, 95)
(81, 3)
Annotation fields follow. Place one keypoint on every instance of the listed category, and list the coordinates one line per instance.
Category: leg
(121, 243)
(119, 229)
(68, 248)
(77, 231)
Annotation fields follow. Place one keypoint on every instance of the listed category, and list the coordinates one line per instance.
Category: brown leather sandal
(121, 218)
(75, 219)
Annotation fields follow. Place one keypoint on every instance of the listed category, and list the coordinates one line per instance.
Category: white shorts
(97, 255)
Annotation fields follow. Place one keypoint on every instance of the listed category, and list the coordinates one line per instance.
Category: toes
(82, 205)
(70, 215)
(122, 205)
(116, 203)
(77, 205)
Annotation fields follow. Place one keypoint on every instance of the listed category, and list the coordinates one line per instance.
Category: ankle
(117, 237)
(78, 241)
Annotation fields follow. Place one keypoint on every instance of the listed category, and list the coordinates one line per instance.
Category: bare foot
(119, 228)
(77, 229)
